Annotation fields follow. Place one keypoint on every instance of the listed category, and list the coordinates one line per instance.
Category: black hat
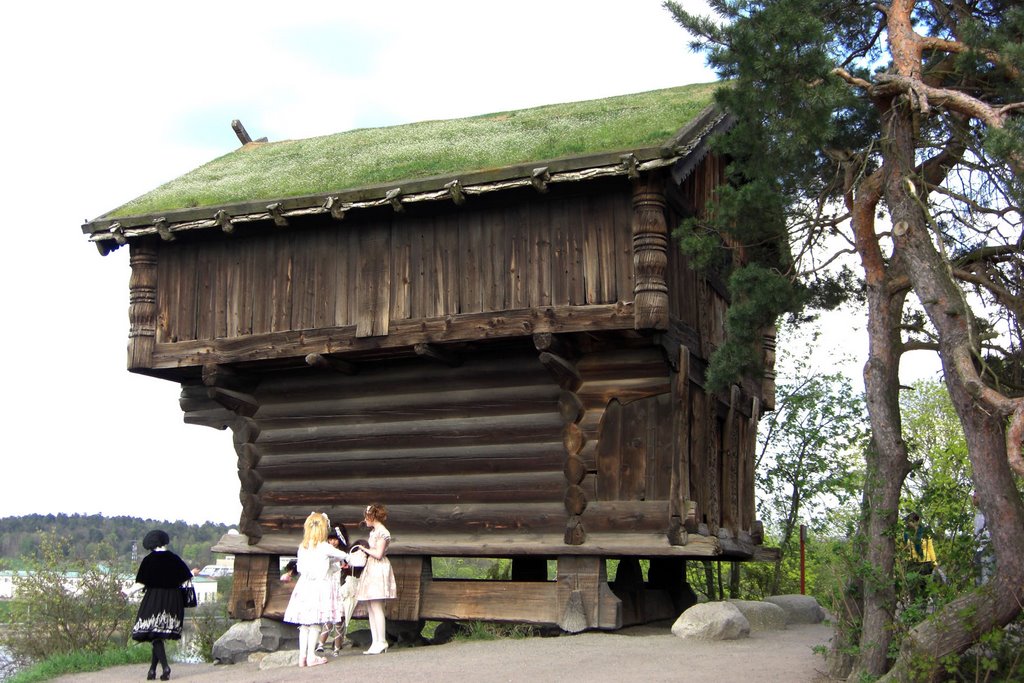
(155, 539)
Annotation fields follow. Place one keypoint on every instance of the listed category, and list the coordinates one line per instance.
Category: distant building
(206, 587)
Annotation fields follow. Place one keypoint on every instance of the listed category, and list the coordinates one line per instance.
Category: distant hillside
(20, 536)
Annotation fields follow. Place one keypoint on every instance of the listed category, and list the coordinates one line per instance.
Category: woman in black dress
(162, 611)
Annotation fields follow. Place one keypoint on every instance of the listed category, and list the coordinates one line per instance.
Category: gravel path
(642, 653)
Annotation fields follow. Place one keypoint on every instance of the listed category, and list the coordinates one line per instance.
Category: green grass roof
(369, 156)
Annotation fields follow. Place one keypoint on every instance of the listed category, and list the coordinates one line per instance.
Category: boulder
(258, 635)
(712, 621)
(763, 616)
(799, 609)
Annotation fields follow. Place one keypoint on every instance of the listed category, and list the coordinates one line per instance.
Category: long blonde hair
(314, 530)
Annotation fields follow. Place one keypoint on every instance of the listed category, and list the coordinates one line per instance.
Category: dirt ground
(642, 653)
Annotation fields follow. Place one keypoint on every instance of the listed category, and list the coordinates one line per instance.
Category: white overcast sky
(104, 101)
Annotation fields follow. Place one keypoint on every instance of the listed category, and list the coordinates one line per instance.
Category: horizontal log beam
(528, 602)
(463, 518)
(402, 334)
(409, 433)
(499, 545)
(378, 463)
(532, 487)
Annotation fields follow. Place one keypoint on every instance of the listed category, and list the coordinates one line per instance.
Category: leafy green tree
(847, 111)
(809, 454)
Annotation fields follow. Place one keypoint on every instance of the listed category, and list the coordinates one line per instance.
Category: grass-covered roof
(370, 156)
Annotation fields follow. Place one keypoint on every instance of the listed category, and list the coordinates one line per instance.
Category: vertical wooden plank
(219, 289)
(449, 272)
(517, 225)
(608, 452)
(730, 464)
(373, 295)
(281, 287)
(247, 304)
(325, 277)
(420, 280)
(699, 472)
(166, 295)
(575, 257)
(633, 477)
(588, 576)
(560, 263)
(233, 293)
(262, 283)
(591, 224)
(540, 254)
(679, 490)
(496, 239)
(662, 456)
(206, 267)
(714, 470)
(749, 450)
(401, 270)
(623, 216)
(469, 262)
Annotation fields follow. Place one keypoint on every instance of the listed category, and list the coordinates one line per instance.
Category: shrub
(63, 605)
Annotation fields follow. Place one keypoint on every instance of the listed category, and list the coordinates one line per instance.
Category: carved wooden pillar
(650, 254)
(142, 304)
(768, 383)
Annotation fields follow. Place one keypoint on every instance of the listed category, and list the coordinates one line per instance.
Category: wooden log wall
(462, 450)
(543, 250)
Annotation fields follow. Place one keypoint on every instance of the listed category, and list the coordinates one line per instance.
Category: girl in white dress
(377, 583)
(315, 599)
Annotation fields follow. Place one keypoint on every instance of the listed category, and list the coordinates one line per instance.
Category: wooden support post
(679, 483)
(730, 465)
(142, 304)
(409, 572)
(768, 382)
(587, 575)
(650, 254)
(249, 586)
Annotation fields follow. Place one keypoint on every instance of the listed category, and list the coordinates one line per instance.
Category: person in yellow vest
(921, 558)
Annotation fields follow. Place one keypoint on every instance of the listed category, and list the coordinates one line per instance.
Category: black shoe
(151, 676)
(166, 675)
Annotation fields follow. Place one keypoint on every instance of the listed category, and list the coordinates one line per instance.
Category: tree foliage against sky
(909, 110)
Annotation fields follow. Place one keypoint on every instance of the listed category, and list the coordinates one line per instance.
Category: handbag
(188, 595)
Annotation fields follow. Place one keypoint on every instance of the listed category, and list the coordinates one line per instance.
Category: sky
(108, 100)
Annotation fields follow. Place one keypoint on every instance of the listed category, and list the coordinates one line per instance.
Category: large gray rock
(258, 635)
(712, 621)
(763, 616)
(799, 609)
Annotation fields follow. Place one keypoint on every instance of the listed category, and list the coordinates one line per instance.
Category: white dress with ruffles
(316, 598)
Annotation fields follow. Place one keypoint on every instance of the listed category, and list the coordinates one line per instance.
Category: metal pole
(803, 539)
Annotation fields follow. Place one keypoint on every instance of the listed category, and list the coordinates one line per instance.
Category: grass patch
(488, 630)
(331, 163)
(76, 662)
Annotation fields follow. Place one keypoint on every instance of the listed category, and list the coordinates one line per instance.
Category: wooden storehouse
(481, 323)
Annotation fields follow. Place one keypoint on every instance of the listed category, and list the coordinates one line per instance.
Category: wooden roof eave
(111, 233)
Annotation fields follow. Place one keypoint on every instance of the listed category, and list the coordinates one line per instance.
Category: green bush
(52, 615)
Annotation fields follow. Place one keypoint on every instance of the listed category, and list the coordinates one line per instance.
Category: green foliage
(77, 662)
(20, 536)
(52, 615)
(489, 630)
(209, 622)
